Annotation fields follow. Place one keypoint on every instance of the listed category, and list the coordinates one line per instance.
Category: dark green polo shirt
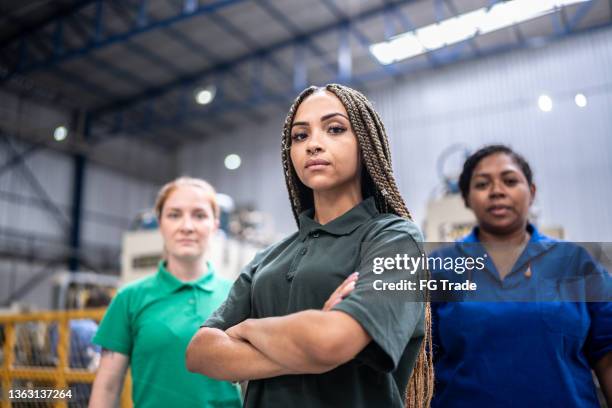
(301, 272)
(152, 321)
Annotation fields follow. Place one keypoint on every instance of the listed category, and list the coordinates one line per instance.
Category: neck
(186, 270)
(329, 205)
(516, 237)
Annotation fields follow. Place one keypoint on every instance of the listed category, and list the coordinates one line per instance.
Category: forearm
(215, 354)
(103, 394)
(603, 369)
(302, 341)
(109, 380)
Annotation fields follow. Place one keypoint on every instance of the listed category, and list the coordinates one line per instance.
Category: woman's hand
(215, 354)
(306, 342)
(237, 331)
(341, 291)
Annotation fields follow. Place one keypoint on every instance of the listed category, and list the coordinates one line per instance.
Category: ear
(532, 190)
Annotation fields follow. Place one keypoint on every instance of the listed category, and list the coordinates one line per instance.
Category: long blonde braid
(378, 182)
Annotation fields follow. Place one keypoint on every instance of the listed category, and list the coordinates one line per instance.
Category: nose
(187, 224)
(497, 189)
(314, 145)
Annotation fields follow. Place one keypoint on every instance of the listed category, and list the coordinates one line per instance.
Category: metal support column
(76, 213)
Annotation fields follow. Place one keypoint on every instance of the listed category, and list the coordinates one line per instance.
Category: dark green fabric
(301, 272)
(152, 321)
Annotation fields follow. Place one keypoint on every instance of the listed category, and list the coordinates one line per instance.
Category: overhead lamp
(60, 133)
(462, 27)
(581, 100)
(545, 103)
(232, 161)
(204, 96)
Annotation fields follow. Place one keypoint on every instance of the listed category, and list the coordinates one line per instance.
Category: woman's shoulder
(274, 248)
(393, 224)
(138, 286)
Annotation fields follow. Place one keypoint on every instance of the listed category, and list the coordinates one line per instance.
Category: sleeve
(436, 343)
(599, 341)
(237, 307)
(115, 331)
(390, 316)
(599, 298)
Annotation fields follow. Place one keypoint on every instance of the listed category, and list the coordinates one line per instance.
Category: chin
(321, 184)
(188, 255)
(501, 227)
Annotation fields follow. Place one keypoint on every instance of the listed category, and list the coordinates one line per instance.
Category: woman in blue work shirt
(511, 350)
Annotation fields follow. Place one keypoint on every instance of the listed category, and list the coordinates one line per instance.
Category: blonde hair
(378, 182)
(169, 188)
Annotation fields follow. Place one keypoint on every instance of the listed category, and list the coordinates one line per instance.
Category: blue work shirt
(521, 353)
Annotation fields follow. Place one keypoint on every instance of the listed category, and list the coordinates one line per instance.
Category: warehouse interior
(104, 101)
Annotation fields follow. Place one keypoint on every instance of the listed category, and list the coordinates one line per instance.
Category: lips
(499, 210)
(315, 163)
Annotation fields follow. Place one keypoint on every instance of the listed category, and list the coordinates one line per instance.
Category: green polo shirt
(152, 321)
(301, 272)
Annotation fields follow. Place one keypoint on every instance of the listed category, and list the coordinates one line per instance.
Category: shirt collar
(169, 283)
(537, 244)
(536, 236)
(342, 225)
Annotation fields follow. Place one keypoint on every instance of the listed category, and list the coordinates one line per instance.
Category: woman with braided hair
(309, 322)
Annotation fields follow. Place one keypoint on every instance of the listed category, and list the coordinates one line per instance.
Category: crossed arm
(307, 342)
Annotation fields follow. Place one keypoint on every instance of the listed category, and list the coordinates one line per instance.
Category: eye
(480, 185)
(511, 182)
(299, 136)
(173, 215)
(201, 215)
(336, 129)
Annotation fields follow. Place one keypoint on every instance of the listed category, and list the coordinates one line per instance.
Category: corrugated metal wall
(482, 101)
(495, 100)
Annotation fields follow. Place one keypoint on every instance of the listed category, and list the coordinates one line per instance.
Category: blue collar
(538, 244)
(536, 236)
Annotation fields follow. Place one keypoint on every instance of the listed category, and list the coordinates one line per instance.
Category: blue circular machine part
(451, 183)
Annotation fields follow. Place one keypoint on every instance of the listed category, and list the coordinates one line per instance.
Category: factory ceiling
(167, 71)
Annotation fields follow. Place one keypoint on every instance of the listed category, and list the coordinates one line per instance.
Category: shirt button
(315, 235)
(303, 251)
(191, 301)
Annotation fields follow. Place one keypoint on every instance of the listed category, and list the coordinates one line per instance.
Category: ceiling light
(581, 100)
(60, 133)
(232, 161)
(204, 96)
(545, 103)
(463, 27)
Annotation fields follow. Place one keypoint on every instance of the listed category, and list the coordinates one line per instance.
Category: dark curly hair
(472, 161)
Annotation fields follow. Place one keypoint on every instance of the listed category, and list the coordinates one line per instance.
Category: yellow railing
(59, 376)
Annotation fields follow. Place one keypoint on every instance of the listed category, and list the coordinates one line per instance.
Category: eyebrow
(505, 172)
(323, 119)
(186, 209)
